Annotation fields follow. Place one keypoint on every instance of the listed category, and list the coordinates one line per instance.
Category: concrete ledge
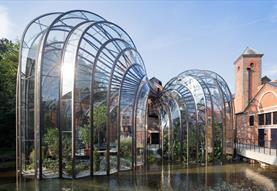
(251, 154)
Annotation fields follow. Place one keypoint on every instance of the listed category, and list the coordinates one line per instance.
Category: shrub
(126, 147)
(51, 139)
(84, 134)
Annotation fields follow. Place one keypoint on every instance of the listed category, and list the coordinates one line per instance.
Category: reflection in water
(163, 176)
(260, 179)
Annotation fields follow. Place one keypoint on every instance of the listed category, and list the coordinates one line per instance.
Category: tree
(8, 71)
(99, 119)
(84, 134)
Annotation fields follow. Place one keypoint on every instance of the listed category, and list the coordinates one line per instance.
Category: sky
(173, 36)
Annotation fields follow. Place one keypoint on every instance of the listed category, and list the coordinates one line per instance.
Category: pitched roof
(273, 83)
(250, 51)
(265, 79)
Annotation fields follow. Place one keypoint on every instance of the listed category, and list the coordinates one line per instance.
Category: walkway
(262, 154)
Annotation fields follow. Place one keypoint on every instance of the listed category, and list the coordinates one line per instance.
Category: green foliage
(51, 164)
(32, 157)
(176, 149)
(8, 73)
(176, 144)
(218, 141)
(66, 142)
(96, 160)
(185, 151)
(84, 134)
(126, 148)
(151, 158)
(99, 116)
(79, 167)
(99, 122)
(165, 145)
(51, 139)
(67, 160)
(68, 167)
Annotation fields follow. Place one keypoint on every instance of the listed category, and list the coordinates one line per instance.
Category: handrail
(257, 145)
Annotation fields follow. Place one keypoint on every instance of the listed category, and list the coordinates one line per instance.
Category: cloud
(227, 27)
(6, 24)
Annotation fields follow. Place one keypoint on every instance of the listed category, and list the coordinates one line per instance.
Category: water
(236, 176)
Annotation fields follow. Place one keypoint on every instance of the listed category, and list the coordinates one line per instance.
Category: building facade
(255, 102)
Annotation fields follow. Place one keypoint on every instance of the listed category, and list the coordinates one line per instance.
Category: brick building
(255, 101)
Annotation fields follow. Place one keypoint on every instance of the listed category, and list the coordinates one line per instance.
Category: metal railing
(263, 146)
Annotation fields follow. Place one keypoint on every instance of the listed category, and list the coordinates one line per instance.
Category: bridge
(265, 153)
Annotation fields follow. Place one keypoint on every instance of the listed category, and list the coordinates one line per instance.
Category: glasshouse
(84, 103)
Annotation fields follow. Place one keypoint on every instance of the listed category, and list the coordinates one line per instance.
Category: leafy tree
(84, 134)
(8, 71)
(100, 116)
(51, 139)
(99, 121)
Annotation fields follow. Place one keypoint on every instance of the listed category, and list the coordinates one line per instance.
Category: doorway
(261, 137)
(273, 138)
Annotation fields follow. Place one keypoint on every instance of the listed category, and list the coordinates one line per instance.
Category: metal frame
(215, 94)
(74, 62)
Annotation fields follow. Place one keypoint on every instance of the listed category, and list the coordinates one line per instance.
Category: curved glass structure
(82, 95)
(82, 102)
(198, 111)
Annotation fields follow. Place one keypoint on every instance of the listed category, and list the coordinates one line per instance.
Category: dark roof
(155, 80)
(265, 79)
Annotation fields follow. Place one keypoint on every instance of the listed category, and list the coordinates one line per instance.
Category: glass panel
(99, 121)
(95, 122)
(268, 118)
(261, 119)
(50, 89)
(76, 76)
(130, 85)
(141, 125)
(275, 117)
(29, 53)
(251, 120)
(165, 132)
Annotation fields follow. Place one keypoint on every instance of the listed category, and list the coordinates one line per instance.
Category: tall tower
(248, 77)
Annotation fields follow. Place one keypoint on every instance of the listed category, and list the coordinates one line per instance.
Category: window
(261, 119)
(155, 138)
(251, 120)
(275, 117)
(268, 118)
(252, 66)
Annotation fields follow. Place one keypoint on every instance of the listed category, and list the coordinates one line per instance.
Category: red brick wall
(241, 83)
(265, 101)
